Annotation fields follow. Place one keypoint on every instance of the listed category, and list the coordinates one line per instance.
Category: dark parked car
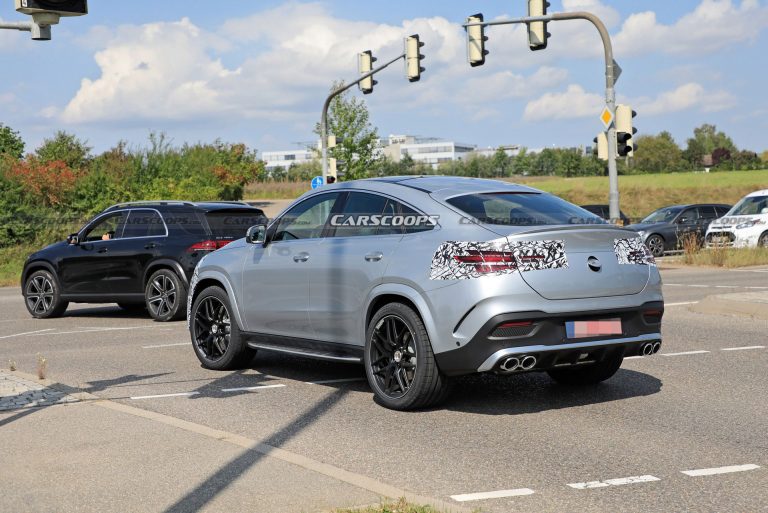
(138, 255)
(604, 212)
(664, 229)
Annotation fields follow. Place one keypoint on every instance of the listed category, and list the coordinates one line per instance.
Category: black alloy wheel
(41, 296)
(212, 328)
(656, 245)
(393, 356)
(165, 296)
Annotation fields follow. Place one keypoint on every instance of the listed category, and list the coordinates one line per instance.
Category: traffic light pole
(327, 104)
(610, 93)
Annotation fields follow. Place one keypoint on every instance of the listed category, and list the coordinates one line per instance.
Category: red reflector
(488, 261)
(208, 245)
(653, 315)
(515, 324)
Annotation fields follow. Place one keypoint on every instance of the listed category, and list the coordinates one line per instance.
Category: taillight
(207, 245)
(516, 324)
(512, 329)
(486, 262)
(653, 316)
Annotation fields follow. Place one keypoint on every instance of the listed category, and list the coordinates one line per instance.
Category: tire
(762, 242)
(655, 244)
(42, 296)
(221, 347)
(165, 296)
(399, 361)
(133, 307)
(588, 374)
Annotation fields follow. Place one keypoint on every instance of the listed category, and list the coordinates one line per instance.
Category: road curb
(750, 304)
(372, 485)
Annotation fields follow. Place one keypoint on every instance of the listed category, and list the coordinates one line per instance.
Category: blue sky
(257, 72)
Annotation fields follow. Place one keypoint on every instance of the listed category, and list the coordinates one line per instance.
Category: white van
(745, 225)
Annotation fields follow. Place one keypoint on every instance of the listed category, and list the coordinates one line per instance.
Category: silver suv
(424, 278)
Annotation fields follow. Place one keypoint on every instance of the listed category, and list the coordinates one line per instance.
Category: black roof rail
(150, 203)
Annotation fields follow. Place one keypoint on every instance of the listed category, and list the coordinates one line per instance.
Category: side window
(415, 222)
(707, 213)
(689, 215)
(143, 223)
(357, 217)
(107, 228)
(721, 211)
(307, 219)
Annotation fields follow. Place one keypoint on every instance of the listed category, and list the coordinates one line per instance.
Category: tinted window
(232, 224)
(690, 215)
(721, 211)
(107, 228)
(419, 224)
(361, 215)
(143, 223)
(707, 213)
(186, 222)
(307, 219)
(522, 209)
(663, 215)
(750, 206)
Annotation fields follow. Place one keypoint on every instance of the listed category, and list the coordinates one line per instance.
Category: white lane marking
(246, 389)
(324, 381)
(633, 357)
(719, 470)
(97, 330)
(699, 286)
(745, 348)
(464, 497)
(760, 288)
(712, 286)
(681, 304)
(181, 394)
(614, 482)
(748, 270)
(25, 333)
(684, 353)
(167, 345)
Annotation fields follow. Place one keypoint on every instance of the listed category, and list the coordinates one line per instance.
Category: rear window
(522, 209)
(233, 224)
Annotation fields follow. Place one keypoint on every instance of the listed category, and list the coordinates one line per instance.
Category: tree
(11, 143)
(356, 138)
(658, 154)
(501, 163)
(66, 148)
(706, 139)
(764, 157)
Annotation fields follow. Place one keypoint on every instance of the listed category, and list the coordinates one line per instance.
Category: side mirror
(73, 239)
(256, 234)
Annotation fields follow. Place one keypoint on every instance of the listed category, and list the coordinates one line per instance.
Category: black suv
(138, 255)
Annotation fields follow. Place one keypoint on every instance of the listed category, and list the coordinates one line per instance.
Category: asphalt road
(644, 441)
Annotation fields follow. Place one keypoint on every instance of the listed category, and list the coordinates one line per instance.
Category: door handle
(102, 250)
(151, 245)
(301, 257)
(374, 257)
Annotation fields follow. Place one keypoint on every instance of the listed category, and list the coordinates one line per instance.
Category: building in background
(284, 159)
(427, 150)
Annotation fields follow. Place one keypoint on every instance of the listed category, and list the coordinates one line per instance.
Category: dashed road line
(167, 345)
(681, 304)
(697, 286)
(158, 396)
(26, 333)
(719, 470)
(328, 381)
(614, 482)
(247, 389)
(745, 348)
(684, 353)
(98, 330)
(498, 494)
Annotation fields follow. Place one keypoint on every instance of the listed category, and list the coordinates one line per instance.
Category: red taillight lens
(653, 316)
(515, 324)
(488, 261)
(208, 245)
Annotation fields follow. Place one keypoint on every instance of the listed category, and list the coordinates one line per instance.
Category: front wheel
(42, 296)
(399, 361)
(215, 335)
(763, 242)
(656, 245)
(588, 374)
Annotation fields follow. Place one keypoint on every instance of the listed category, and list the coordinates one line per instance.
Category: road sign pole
(611, 74)
(327, 104)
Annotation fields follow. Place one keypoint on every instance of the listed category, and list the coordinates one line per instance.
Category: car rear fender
(167, 263)
(418, 300)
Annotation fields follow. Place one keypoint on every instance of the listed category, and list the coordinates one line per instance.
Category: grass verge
(400, 506)
(11, 263)
(728, 258)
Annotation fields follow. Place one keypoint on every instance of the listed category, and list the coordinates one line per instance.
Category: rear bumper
(546, 340)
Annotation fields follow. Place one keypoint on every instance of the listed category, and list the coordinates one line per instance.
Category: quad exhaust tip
(513, 364)
(650, 348)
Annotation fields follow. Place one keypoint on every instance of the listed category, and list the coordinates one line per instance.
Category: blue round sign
(317, 182)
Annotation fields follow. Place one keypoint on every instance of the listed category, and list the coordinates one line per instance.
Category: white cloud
(688, 96)
(713, 25)
(574, 102)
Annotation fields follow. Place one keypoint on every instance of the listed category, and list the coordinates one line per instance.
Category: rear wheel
(215, 336)
(42, 296)
(588, 374)
(166, 296)
(399, 362)
(655, 243)
(763, 242)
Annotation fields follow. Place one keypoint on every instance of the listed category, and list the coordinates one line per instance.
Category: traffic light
(601, 146)
(332, 161)
(413, 58)
(476, 39)
(365, 62)
(625, 131)
(58, 7)
(537, 30)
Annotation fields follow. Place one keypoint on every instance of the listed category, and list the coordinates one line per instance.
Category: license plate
(598, 328)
